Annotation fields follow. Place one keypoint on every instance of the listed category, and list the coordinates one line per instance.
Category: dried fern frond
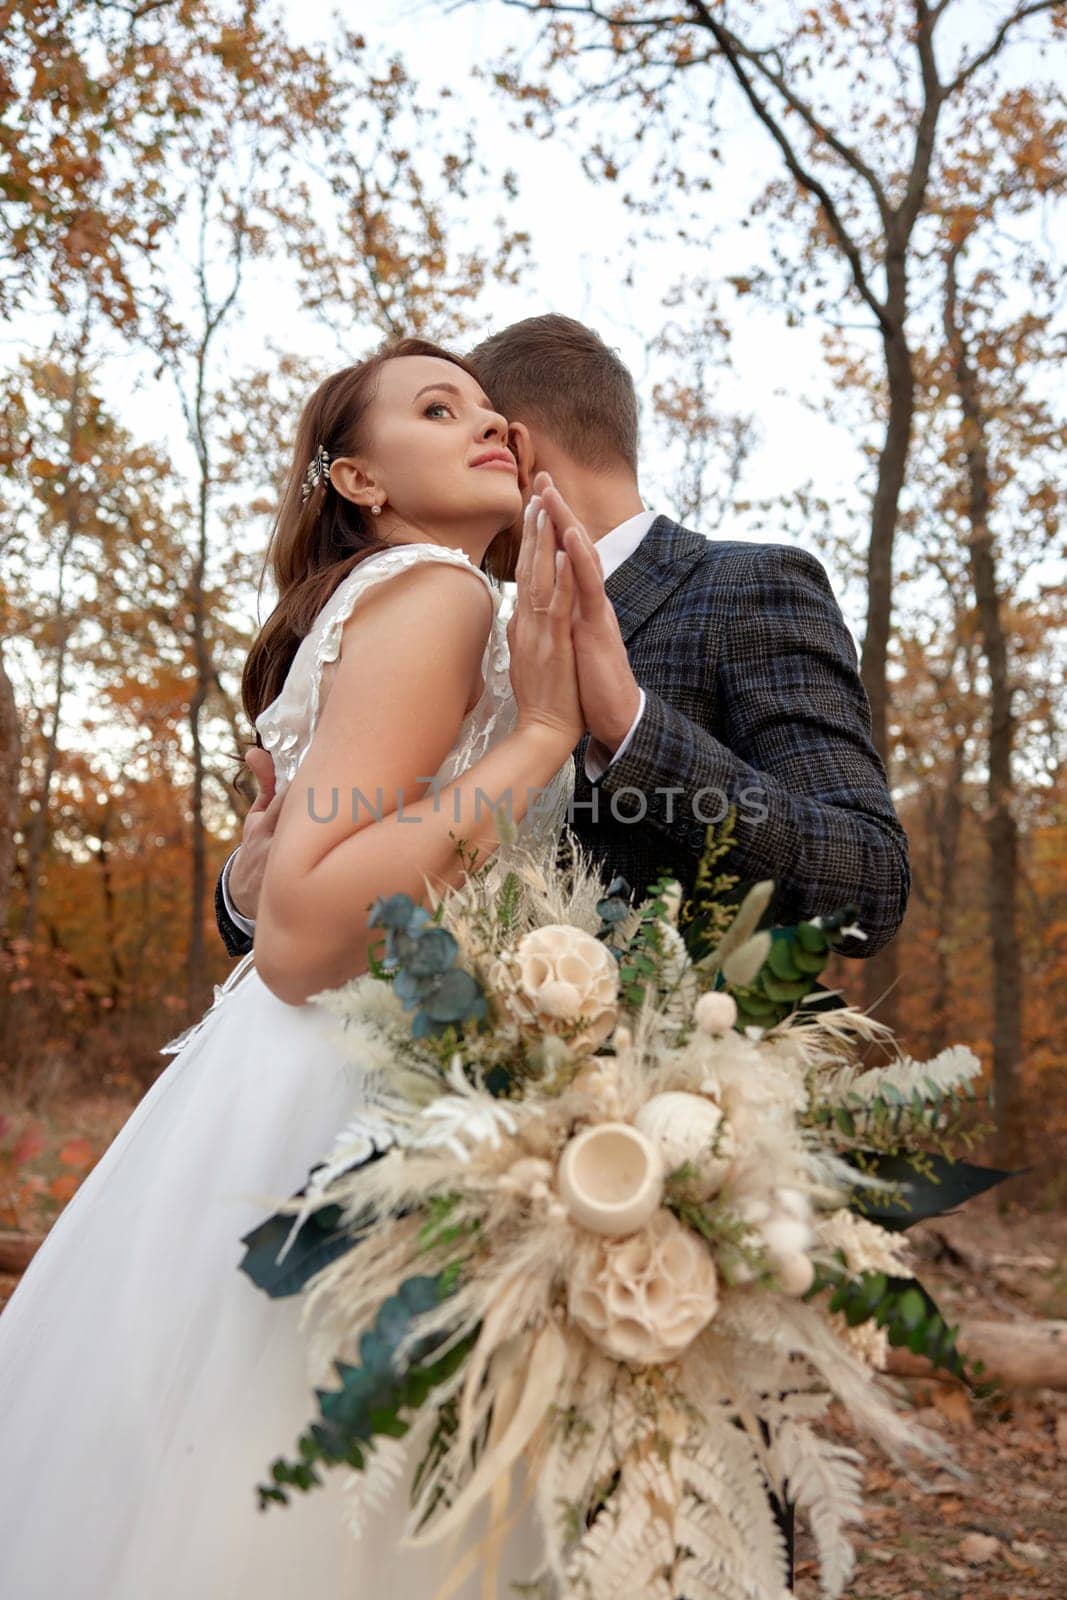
(825, 1481)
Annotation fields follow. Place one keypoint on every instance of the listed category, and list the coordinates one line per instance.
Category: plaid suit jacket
(753, 697)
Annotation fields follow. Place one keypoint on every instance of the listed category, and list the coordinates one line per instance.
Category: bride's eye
(438, 405)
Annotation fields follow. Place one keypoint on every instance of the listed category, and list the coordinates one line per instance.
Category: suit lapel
(665, 556)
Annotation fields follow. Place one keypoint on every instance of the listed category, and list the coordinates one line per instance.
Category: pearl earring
(375, 511)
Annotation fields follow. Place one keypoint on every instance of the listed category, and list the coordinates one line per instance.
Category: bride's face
(435, 449)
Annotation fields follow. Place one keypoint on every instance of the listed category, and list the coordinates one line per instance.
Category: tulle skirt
(145, 1383)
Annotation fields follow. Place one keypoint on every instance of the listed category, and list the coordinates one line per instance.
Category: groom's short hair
(557, 373)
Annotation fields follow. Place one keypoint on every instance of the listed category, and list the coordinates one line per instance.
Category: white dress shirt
(613, 549)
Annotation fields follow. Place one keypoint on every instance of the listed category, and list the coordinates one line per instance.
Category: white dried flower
(469, 1114)
(793, 1203)
(715, 1012)
(677, 979)
(689, 1130)
(644, 1299)
(795, 1274)
(786, 1236)
(556, 977)
(867, 1339)
(866, 1247)
(672, 901)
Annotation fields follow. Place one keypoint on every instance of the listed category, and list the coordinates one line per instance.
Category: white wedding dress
(145, 1384)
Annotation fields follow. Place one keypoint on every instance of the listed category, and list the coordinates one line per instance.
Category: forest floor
(1003, 1534)
(999, 1535)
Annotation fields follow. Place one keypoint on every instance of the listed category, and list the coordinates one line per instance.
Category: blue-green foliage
(421, 957)
(376, 1397)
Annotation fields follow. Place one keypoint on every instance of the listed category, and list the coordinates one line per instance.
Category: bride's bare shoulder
(418, 584)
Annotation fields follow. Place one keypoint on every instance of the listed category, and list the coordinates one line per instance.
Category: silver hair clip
(314, 474)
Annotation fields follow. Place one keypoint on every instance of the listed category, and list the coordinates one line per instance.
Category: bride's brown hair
(315, 543)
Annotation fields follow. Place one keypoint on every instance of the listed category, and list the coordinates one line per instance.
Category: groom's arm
(235, 930)
(241, 878)
(795, 756)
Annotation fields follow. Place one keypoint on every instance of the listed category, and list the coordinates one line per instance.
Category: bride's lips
(496, 458)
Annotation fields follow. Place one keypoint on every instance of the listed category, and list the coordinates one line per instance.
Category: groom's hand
(608, 690)
(250, 864)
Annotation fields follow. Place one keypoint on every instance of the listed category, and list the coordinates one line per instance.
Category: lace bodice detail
(287, 725)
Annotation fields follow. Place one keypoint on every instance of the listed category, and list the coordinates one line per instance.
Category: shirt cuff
(597, 759)
(246, 924)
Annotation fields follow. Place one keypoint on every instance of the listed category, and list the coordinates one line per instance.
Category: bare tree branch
(1020, 15)
(731, 50)
(849, 156)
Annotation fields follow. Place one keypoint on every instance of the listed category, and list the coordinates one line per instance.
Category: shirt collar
(619, 545)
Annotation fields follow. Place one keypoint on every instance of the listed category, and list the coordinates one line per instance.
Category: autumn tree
(168, 167)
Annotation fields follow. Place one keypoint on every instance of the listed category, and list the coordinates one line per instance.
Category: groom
(721, 672)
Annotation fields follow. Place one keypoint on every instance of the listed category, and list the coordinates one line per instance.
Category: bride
(145, 1384)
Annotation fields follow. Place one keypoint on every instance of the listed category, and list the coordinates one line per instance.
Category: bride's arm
(410, 659)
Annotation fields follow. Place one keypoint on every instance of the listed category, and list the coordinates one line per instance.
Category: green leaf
(904, 1308)
(845, 1121)
(920, 1194)
(807, 962)
(911, 1310)
(778, 989)
(320, 1240)
(780, 959)
(375, 1399)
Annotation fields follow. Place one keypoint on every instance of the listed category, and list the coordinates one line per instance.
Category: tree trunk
(1001, 830)
(72, 506)
(111, 918)
(880, 971)
(17, 1250)
(948, 841)
(10, 768)
(198, 878)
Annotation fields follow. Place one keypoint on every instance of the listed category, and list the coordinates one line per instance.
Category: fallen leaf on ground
(978, 1548)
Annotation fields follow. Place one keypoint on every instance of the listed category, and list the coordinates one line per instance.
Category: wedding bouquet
(621, 1202)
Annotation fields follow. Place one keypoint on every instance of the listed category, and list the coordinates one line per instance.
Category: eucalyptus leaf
(780, 959)
(452, 997)
(376, 1397)
(435, 951)
(391, 911)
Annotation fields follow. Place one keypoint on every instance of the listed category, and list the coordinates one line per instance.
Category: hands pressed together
(569, 667)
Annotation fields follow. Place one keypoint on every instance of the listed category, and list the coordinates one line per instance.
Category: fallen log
(1019, 1355)
(17, 1250)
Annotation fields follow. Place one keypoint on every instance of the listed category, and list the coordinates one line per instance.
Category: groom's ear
(521, 447)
